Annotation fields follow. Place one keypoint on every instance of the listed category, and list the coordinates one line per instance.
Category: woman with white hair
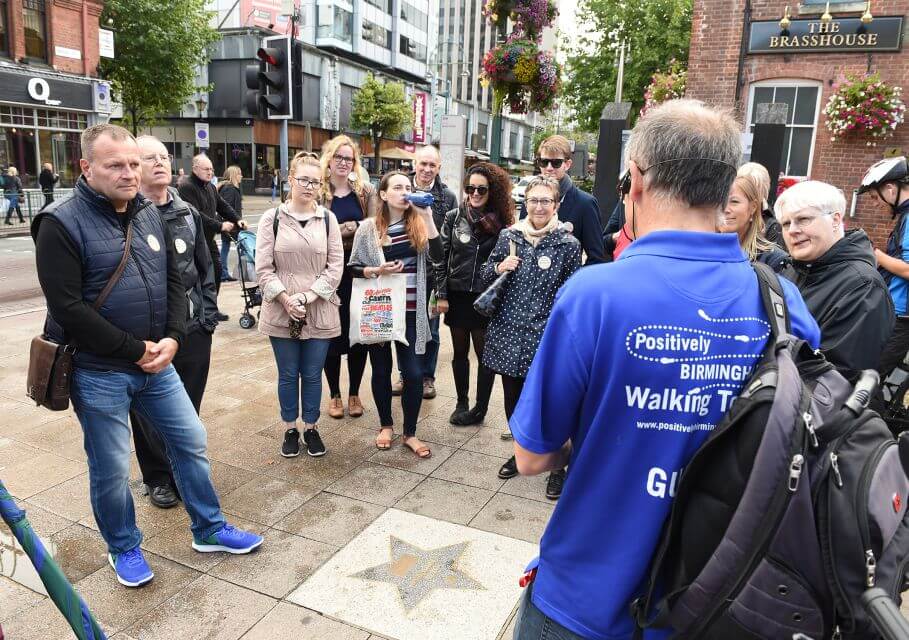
(837, 275)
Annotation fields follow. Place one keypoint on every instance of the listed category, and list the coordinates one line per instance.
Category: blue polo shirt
(639, 361)
(899, 287)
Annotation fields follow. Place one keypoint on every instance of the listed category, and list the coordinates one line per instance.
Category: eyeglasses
(802, 222)
(536, 203)
(307, 182)
(343, 159)
(153, 158)
(479, 189)
(555, 163)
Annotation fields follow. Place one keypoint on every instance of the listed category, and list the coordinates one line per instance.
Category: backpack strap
(774, 300)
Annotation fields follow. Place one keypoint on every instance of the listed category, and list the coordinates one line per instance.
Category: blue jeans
(225, 256)
(300, 365)
(102, 400)
(533, 624)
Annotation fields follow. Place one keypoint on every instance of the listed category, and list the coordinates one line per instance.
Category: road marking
(22, 312)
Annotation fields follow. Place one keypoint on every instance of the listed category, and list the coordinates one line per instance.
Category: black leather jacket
(464, 252)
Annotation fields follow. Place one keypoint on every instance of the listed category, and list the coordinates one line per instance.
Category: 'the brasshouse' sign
(840, 34)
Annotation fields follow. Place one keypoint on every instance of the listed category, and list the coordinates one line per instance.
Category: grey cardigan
(367, 252)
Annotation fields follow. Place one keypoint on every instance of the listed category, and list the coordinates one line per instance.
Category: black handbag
(488, 303)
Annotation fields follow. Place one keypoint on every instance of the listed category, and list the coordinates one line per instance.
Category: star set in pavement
(418, 572)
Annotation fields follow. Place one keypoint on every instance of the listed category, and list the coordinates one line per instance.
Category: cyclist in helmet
(887, 182)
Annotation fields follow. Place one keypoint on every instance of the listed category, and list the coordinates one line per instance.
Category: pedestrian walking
(126, 347)
(469, 233)
(836, 272)
(611, 362)
(299, 262)
(742, 216)
(12, 191)
(577, 208)
(352, 200)
(217, 216)
(193, 359)
(229, 190)
(542, 254)
(401, 238)
(275, 186)
(426, 178)
(47, 180)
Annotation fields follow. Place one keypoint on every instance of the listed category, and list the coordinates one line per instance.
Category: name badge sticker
(544, 262)
(153, 243)
(464, 238)
(180, 245)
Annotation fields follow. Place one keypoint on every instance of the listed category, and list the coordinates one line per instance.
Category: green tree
(159, 46)
(654, 31)
(382, 109)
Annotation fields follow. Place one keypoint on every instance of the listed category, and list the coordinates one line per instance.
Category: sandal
(383, 444)
(423, 452)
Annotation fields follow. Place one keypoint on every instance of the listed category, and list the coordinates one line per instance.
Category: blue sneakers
(131, 568)
(229, 539)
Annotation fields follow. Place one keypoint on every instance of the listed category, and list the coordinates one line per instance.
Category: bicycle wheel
(896, 413)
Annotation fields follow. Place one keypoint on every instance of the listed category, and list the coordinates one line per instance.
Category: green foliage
(159, 45)
(382, 108)
(655, 32)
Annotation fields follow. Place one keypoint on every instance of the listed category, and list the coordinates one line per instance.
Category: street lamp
(432, 76)
(201, 103)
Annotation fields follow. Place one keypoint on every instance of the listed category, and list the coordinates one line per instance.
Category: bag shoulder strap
(774, 300)
(118, 272)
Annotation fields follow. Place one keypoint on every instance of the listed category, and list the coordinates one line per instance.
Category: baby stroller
(246, 265)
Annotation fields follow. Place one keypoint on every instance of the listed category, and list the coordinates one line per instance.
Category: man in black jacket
(837, 276)
(195, 267)
(577, 207)
(124, 349)
(46, 180)
(217, 216)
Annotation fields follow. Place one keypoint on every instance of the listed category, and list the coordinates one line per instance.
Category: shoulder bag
(50, 364)
(488, 302)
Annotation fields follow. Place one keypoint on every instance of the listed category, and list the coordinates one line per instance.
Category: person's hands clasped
(163, 353)
(148, 356)
(508, 264)
(227, 227)
(442, 306)
(389, 268)
(295, 305)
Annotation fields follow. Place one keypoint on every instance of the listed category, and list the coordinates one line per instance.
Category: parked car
(517, 191)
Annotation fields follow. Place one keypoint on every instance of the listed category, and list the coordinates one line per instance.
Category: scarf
(533, 236)
(488, 223)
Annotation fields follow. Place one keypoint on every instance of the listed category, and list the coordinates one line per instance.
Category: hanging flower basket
(521, 75)
(530, 16)
(864, 105)
(665, 86)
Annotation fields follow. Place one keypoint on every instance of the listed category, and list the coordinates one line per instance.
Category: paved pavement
(358, 544)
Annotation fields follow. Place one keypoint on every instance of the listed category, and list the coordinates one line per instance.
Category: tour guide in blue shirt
(639, 361)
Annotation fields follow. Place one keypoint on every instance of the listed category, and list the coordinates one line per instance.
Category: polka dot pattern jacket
(515, 331)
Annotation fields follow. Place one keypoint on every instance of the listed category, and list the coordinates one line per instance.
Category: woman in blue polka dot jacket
(542, 253)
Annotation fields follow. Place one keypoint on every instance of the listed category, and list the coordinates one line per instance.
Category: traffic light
(270, 82)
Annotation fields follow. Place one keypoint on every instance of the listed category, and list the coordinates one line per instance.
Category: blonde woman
(229, 190)
(299, 262)
(12, 189)
(742, 216)
(352, 200)
(758, 173)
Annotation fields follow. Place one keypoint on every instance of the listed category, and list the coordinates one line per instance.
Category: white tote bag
(378, 310)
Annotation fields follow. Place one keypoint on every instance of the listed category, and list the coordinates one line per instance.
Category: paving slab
(471, 468)
(330, 518)
(291, 622)
(266, 500)
(514, 517)
(450, 501)
(410, 577)
(376, 483)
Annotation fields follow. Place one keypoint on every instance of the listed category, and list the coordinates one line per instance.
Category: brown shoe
(354, 407)
(336, 408)
(397, 388)
(429, 388)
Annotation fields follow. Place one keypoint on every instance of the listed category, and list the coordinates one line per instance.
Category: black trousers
(191, 362)
(895, 350)
(216, 263)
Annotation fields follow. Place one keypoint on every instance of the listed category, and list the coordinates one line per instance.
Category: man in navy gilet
(123, 351)
(639, 361)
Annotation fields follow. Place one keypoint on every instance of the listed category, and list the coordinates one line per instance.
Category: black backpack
(792, 508)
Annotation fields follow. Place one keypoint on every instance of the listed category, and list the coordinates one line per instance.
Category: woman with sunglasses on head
(401, 238)
(542, 254)
(299, 262)
(469, 234)
(352, 199)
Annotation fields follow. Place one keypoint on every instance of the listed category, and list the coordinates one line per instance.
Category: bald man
(198, 190)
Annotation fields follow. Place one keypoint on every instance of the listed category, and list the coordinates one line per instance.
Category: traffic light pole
(284, 151)
(495, 151)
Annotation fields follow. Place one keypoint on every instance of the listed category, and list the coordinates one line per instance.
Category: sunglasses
(624, 185)
(479, 190)
(555, 163)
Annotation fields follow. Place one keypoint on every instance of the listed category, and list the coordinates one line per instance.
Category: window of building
(376, 34)
(34, 19)
(411, 15)
(335, 22)
(803, 99)
(384, 5)
(412, 48)
(4, 39)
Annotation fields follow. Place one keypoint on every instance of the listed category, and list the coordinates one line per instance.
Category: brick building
(49, 53)
(735, 62)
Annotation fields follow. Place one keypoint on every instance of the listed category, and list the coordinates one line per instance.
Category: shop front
(42, 116)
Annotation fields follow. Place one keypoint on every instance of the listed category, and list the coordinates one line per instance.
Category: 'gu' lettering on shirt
(638, 363)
